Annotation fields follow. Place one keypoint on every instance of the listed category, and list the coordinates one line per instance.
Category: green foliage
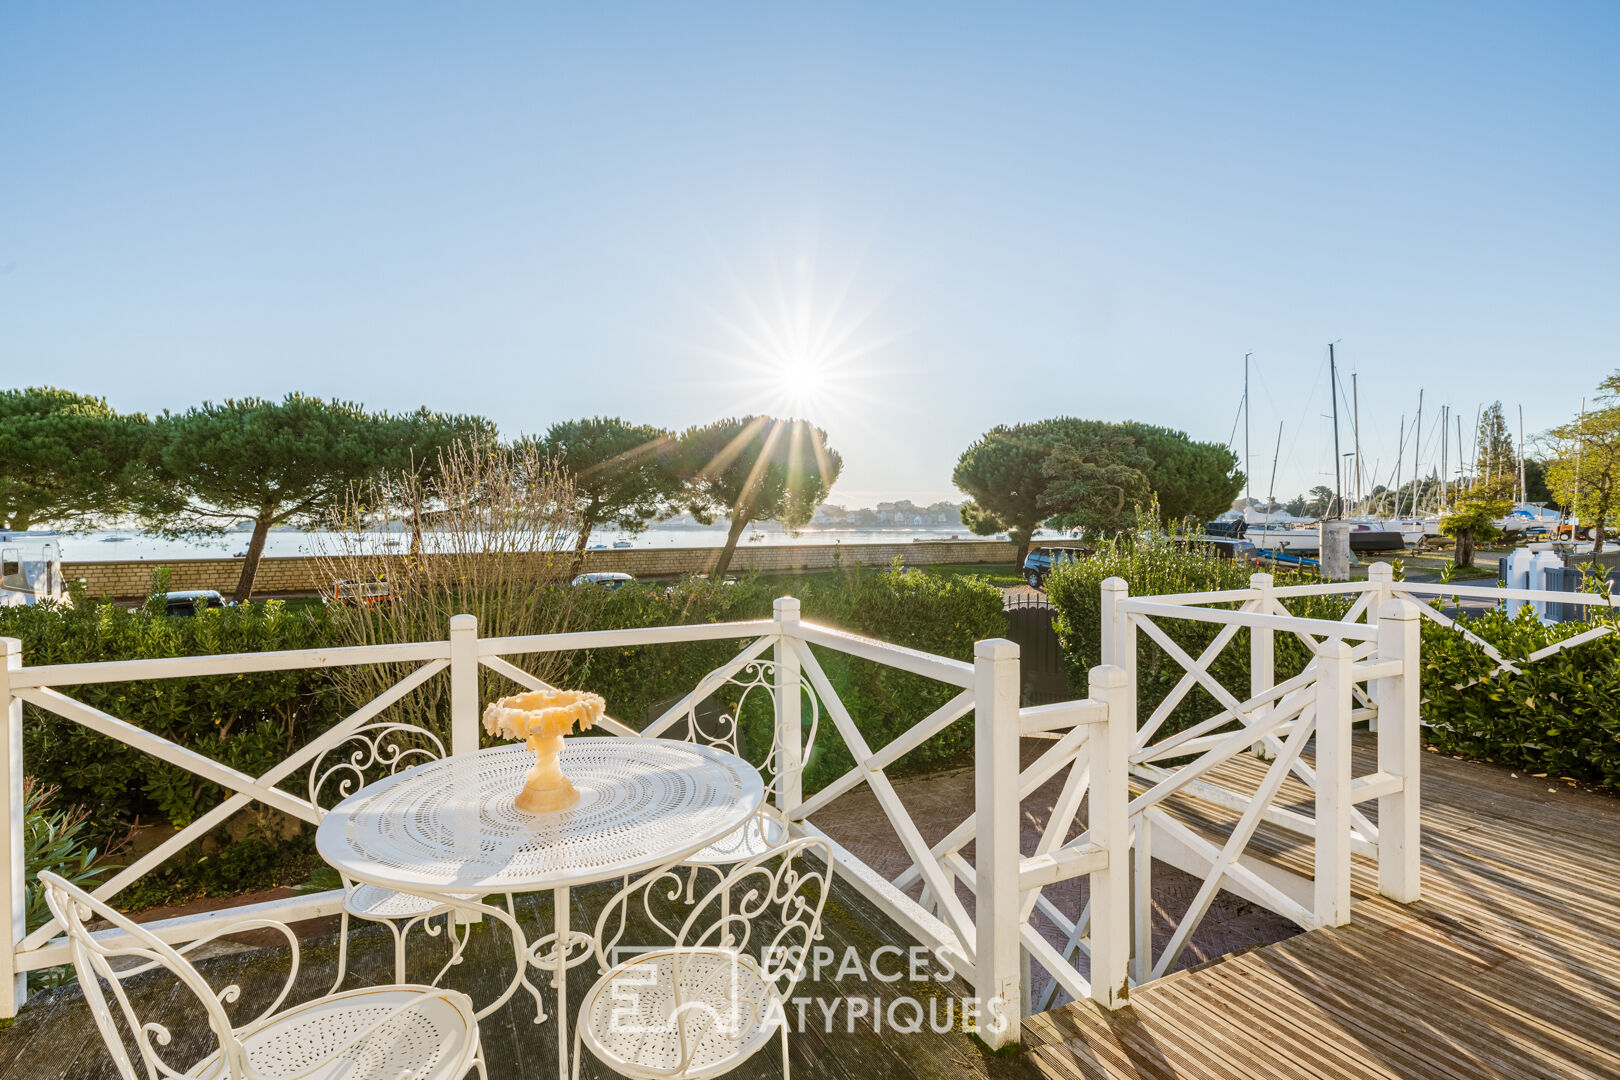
(1584, 472)
(55, 838)
(943, 614)
(1152, 563)
(1494, 456)
(252, 721)
(756, 468)
(1192, 480)
(247, 721)
(1003, 476)
(1473, 519)
(67, 458)
(1559, 716)
(624, 474)
(274, 463)
(1090, 474)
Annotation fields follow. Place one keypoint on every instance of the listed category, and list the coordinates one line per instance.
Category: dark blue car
(1039, 562)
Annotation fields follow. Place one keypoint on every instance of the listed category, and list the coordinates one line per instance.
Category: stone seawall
(303, 574)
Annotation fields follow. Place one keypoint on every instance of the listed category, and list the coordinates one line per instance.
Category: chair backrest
(366, 755)
(768, 908)
(724, 728)
(786, 887)
(94, 961)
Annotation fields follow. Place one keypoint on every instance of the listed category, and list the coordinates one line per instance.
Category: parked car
(191, 601)
(608, 579)
(370, 593)
(1039, 562)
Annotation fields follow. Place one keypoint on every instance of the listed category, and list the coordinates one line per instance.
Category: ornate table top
(449, 826)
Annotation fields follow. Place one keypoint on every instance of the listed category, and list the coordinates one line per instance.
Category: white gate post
(13, 984)
(789, 733)
(1262, 655)
(1119, 646)
(1381, 575)
(463, 684)
(1333, 711)
(1109, 823)
(1400, 754)
(996, 897)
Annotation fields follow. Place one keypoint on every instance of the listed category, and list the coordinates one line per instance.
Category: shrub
(943, 614)
(247, 721)
(253, 721)
(1559, 716)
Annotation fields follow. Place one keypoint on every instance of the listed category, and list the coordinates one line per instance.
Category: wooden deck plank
(1509, 966)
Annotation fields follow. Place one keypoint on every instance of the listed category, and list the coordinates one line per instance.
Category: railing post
(463, 684)
(13, 984)
(996, 896)
(1333, 711)
(1262, 655)
(789, 732)
(1119, 643)
(1382, 576)
(1109, 810)
(1400, 754)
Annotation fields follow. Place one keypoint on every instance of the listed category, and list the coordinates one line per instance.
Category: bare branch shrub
(497, 530)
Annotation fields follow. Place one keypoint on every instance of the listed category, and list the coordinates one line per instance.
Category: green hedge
(1561, 716)
(245, 721)
(1155, 565)
(943, 614)
(252, 721)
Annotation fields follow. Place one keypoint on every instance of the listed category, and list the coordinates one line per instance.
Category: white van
(30, 568)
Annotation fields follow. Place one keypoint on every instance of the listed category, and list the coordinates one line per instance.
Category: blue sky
(952, 216)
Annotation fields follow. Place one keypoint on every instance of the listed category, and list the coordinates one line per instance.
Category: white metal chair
(367, 754)
(380, 1033)
(767, 828)
(717, 994)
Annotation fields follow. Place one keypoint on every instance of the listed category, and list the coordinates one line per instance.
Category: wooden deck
(1509, 966)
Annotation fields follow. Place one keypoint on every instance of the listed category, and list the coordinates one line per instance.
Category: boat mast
(1445, 421)
(1524, 491)
(1333, 388)
(1400, 459)
(1461, 471)
(1417, 452)
(1473, 444)
(1271, 492)
(1355, 434)
(1248, 484)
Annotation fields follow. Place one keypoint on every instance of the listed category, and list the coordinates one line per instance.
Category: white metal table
(448, 829)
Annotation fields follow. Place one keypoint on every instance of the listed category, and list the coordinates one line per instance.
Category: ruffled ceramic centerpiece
(542, 718)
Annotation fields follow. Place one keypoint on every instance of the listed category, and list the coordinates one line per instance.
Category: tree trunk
(1021, 538)
(250, 565)
(739, 522)
(1598, 535)
(579, 549)
(1464, 554)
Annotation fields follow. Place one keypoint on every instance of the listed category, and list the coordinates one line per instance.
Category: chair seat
(625, 1019)
(764, 830)
(373, 902)
(435, 1038)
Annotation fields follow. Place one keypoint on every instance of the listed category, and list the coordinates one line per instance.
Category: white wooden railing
(1361, 666)
(990, 946)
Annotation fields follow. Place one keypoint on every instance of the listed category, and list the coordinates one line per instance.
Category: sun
(802, 380)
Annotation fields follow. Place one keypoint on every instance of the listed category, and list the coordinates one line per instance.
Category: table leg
(560, 978)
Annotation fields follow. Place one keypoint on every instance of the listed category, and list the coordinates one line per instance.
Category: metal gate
(1045, 674)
